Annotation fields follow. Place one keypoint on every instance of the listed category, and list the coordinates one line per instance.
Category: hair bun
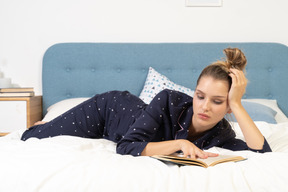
(235, 58)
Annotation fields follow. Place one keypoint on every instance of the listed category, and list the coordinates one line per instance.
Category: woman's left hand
(238, 87)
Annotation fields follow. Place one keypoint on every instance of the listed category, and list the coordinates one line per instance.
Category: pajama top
(125, 119)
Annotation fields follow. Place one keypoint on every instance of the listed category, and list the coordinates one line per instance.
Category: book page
(210, 161)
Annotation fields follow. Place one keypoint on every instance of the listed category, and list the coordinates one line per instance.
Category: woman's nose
(206, 105)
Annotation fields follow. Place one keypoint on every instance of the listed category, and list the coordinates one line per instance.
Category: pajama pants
(97, 117)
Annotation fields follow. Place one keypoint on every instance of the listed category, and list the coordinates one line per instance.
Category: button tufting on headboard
(79, 69)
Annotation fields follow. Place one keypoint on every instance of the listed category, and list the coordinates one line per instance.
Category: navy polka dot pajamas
(125, 119)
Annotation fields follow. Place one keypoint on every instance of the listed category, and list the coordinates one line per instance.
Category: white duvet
(67, 163)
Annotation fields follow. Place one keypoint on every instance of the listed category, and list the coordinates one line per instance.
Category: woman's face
(210, 103)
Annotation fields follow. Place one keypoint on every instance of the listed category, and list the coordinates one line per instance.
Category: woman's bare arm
(253, 136)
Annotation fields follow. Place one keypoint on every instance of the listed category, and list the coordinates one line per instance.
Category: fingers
(238, 87)
(192, 151)
(205, 155)
(198, 153)
(201, 154)
(192, 156)
(238, 77)
(212, 154)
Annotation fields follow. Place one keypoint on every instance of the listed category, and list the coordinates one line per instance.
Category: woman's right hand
(192, 151)
(168, 147)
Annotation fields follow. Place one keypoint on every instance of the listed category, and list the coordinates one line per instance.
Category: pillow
(257, 112)
(156, 82)
(61, 107)
(280, 116)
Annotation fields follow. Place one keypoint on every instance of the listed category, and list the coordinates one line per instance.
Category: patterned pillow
(156, 82)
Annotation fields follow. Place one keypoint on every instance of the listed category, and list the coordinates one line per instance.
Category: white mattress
(67, 163)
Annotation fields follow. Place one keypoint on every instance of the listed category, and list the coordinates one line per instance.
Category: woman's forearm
(253, 136)
(161, 148)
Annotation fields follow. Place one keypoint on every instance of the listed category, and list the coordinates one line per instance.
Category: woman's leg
(84, 120)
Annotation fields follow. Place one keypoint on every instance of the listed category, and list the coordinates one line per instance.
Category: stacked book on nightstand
(17, 92)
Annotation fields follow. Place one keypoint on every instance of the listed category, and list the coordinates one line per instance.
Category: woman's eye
(218, 102)
(200, 97)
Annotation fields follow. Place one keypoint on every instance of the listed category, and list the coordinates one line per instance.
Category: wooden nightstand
(19, 112)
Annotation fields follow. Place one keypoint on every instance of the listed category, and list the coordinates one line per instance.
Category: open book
(210, 161)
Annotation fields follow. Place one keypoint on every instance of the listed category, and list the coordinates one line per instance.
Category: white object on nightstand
(19, 113)
(5, 82)
(13, 115)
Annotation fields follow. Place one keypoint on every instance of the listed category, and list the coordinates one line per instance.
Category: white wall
(28, 28)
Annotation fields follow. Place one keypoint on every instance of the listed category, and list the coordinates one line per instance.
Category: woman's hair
(220, 70)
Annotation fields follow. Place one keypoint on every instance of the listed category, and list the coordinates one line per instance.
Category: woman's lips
(203, 116)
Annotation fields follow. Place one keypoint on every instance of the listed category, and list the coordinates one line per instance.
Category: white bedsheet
(67, 163)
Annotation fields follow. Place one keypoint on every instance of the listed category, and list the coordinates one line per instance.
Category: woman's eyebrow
(198, 90)
(216, 96)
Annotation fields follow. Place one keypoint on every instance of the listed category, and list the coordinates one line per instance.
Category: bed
(73, 72)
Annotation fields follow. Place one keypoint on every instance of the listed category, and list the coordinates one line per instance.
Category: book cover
(16, 89)
(18, 94)
(210, 161)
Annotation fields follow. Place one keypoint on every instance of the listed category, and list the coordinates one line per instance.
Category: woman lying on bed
(172, 122)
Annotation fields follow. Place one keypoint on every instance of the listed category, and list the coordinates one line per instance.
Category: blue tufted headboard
(84, 69)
